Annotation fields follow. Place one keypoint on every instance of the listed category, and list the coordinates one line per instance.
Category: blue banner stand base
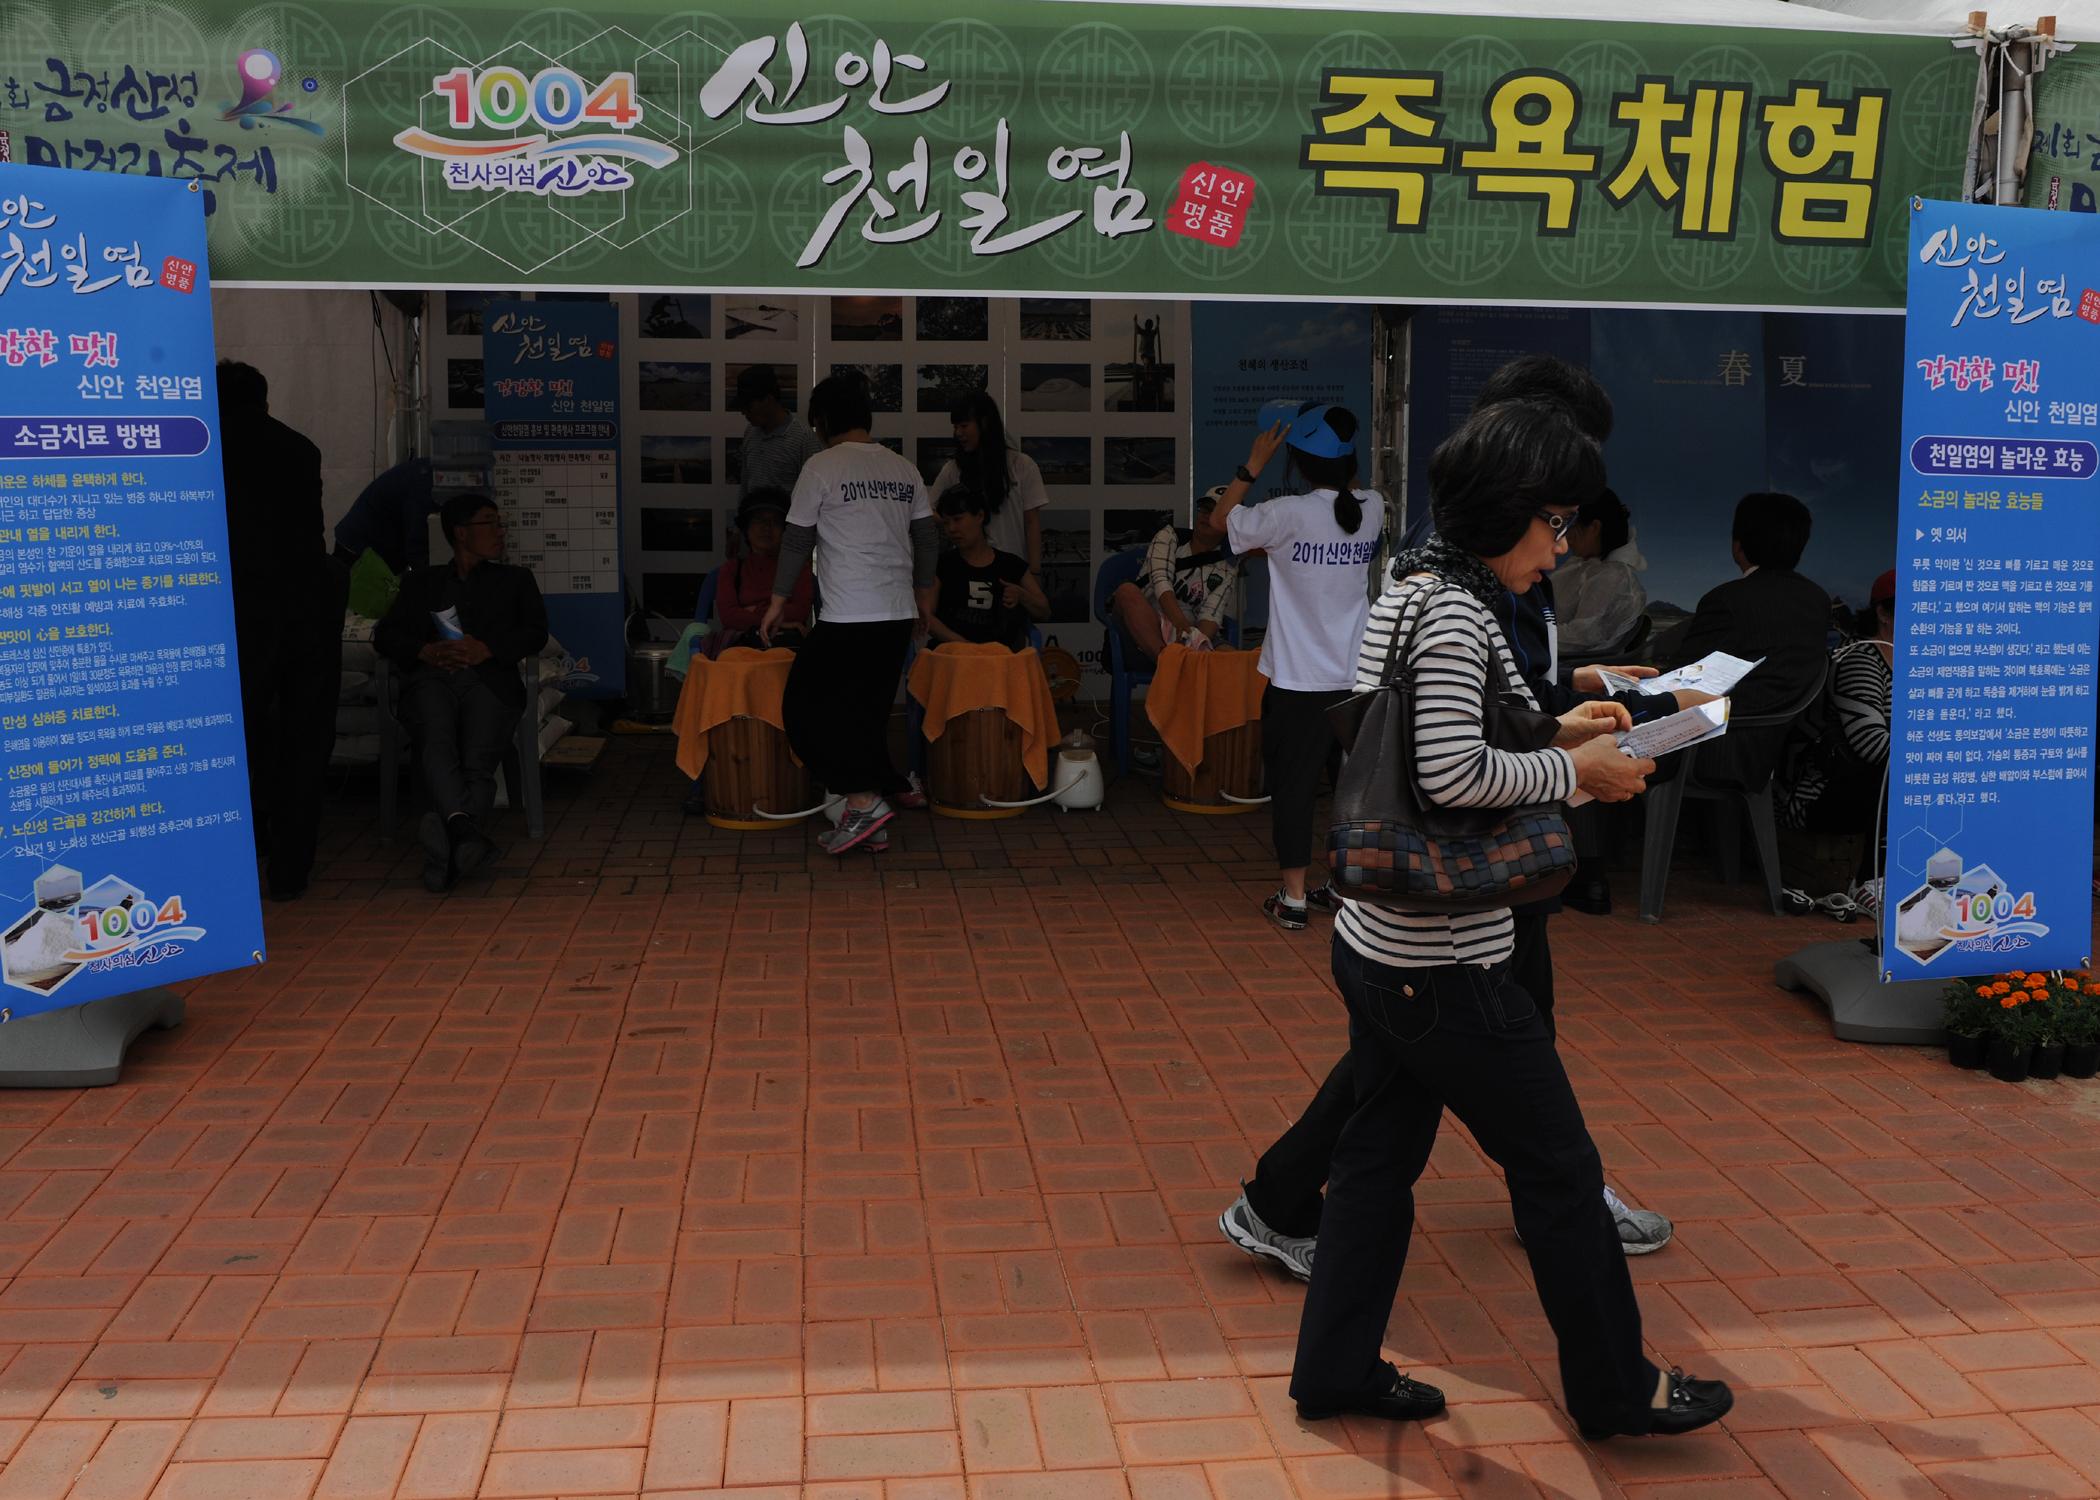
(1845, 976)
(82, 1046)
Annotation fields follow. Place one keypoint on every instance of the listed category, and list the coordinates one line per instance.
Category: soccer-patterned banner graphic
(1028, 147)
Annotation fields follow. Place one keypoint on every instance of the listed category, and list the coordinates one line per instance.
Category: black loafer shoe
(1406, 1401)
(1693, 1404)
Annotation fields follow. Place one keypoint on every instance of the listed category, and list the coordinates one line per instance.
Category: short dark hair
(961, 500)
(1610, 512)
(841, 403)
(1772, 529)
(242, 387)
(755, 383)
(461, 508)
(1543, 377)
(1492, 476)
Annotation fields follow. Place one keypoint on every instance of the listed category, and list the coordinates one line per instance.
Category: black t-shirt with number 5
(971, 602)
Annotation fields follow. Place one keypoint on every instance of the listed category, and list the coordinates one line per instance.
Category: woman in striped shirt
(1435, 1020)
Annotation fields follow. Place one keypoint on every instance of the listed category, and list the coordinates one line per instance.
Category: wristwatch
(1242, 475)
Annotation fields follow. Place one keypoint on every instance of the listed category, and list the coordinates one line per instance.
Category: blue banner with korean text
(1991, 700)
(130, 859)
(551, 397)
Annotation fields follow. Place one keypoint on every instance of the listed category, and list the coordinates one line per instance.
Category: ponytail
(1348, 509)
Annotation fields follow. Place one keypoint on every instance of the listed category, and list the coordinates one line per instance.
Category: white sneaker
(1640, 1231)
(1244, 1227)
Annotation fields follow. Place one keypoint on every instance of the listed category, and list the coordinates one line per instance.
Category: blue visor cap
(1309, 433)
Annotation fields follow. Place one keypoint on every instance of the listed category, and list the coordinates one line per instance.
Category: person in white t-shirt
(1012, 491)
(862, 511)
(1321, 545)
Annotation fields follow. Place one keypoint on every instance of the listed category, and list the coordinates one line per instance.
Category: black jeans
(462, 727)
(1295, 739)
(836, 706)
(1469, 1039)
(1285, 1189)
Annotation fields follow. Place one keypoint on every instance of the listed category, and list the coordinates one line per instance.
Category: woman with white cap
(1321, 545)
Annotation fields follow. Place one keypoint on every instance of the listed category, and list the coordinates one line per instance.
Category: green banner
(1025, 147)
(2064, 170)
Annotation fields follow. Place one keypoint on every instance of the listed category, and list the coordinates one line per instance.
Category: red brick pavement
(673, 1163)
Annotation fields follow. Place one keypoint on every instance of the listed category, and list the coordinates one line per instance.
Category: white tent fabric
(2076, 20)
(1916, 17)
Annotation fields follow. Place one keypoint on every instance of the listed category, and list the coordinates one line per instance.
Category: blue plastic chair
(704, 606)
(1123, 675)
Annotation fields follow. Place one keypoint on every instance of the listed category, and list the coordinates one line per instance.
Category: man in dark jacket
(1771, 612)
(391, 516)
(288, 603)
(457, 631)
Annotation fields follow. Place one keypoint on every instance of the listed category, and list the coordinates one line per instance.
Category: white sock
(1295, 905)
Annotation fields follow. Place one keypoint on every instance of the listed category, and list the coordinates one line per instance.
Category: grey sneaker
(856, 826)
(1640, 1231)
(1243, 1226)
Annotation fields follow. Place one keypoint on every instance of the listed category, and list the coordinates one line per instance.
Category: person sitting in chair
(985, 594)
(457, 632)
(744, 588)
(1186, 587)
(1597, 593)
(1770, 614)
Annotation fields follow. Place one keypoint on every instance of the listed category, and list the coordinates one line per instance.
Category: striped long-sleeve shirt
(1454, 764)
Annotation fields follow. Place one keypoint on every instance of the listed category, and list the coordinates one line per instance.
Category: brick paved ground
(678, 1164)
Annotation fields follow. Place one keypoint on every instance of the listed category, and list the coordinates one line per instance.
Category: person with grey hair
(1437, 1018)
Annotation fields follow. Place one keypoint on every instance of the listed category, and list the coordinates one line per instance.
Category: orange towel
(960, 676)
(741, 681)
(1196, 694)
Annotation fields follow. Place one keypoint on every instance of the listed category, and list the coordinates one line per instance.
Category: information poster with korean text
(551, 395)
(1991, 723)
(130, 860)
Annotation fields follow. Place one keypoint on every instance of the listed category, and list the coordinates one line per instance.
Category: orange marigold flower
(2007, 1003)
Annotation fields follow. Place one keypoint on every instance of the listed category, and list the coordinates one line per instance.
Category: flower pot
(2046, 1059)
(2082, 1060)
(1968, 1051)
(2009, 1061)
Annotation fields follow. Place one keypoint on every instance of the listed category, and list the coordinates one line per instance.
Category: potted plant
(2014, 1030)
(1971, 1005)
(2078, 1023)
(2048, 1056)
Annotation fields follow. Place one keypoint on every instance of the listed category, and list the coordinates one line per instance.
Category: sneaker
(913, 797)
(856, 826)
(1327, 901)
(1285, 915)
(1145, 756)
(1244, 1227)
(1640, 1231)
(471, 848)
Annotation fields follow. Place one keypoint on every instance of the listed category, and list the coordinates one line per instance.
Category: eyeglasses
(1557, 520)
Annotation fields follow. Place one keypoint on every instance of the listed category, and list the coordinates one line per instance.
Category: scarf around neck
(1454, 566)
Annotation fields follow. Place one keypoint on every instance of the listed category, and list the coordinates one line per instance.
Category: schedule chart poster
(1990, 789)
(551, 392)
(129, 860)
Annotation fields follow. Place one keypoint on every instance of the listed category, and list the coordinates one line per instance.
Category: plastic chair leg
(1766, 827)
(1664, 804)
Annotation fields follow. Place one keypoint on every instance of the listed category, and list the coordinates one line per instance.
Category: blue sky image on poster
(1991, 727)
(130, 860)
